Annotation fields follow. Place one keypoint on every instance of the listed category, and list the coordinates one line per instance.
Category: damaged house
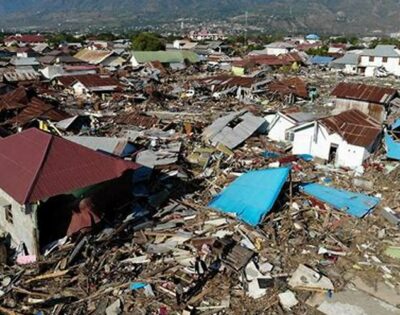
(51, 187)
(346, 139)
(371, 100)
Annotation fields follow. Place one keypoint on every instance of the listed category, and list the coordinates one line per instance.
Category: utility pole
(245, 30)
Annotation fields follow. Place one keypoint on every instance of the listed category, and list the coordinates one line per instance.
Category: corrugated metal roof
(288, 86)
(36, 165)
(221, 132)
(382, 51)
(14, 99)
(35, 109)
(363, 92)
(115, 146)
(355, 204)
(21, 76)
(223, 82)
(137, 119)
(94, 57)
(354, 126)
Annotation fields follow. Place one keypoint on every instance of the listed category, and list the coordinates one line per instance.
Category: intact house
(346, 139)
(51, 187)
(382, 60)
(275, 49)
(348, 64)
(281, 122)
(24, 39)
(371, 100)
(172, 58)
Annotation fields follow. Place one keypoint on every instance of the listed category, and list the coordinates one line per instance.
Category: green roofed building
(165, 57)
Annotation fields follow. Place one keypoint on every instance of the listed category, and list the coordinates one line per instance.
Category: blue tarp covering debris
(252, 195)
(392, 146)
(321, 60)
(356, 204)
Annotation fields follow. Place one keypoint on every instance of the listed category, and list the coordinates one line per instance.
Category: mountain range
(326, 16)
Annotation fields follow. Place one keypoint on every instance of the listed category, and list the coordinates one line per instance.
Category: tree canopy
(147, 42)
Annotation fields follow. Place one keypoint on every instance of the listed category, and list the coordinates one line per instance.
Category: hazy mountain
(291, 15)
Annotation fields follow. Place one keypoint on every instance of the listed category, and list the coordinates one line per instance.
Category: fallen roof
(35, 109)
(36, 165)
(231, 130)
(252, 195)
(94, 57)
(354, 126)
(14, 99)
(225, 81)
(363, 92)
(355, 204)
(137, 119)
(321, 60)
(295, 86)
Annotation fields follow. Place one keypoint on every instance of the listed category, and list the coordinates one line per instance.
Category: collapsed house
(51, 187)
(346, 139)
(371, 100)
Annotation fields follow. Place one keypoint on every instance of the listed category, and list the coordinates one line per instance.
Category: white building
(282, 122)
(346, 139)
(275, 49)
(383, 58)
(348, 64)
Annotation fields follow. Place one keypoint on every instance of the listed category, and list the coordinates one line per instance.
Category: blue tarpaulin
(252, 195)
(392, 146)
(356, 204)
(321, 60)
(137, 286)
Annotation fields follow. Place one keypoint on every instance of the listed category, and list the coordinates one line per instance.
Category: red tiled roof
(88, 80)
(26, 38)
(35, 165)
(363, 92)
(354, 126)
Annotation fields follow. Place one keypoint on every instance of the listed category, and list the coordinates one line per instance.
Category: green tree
(147, 42)
(322, 51)
(385, 41)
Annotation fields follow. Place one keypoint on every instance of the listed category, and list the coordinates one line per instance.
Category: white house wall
(134, 62)
(79, 88)
(276, 51)
(316, 140)
(279, 127)
(302, 143)
(24, 226)
(392, 65)
(351, 156)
